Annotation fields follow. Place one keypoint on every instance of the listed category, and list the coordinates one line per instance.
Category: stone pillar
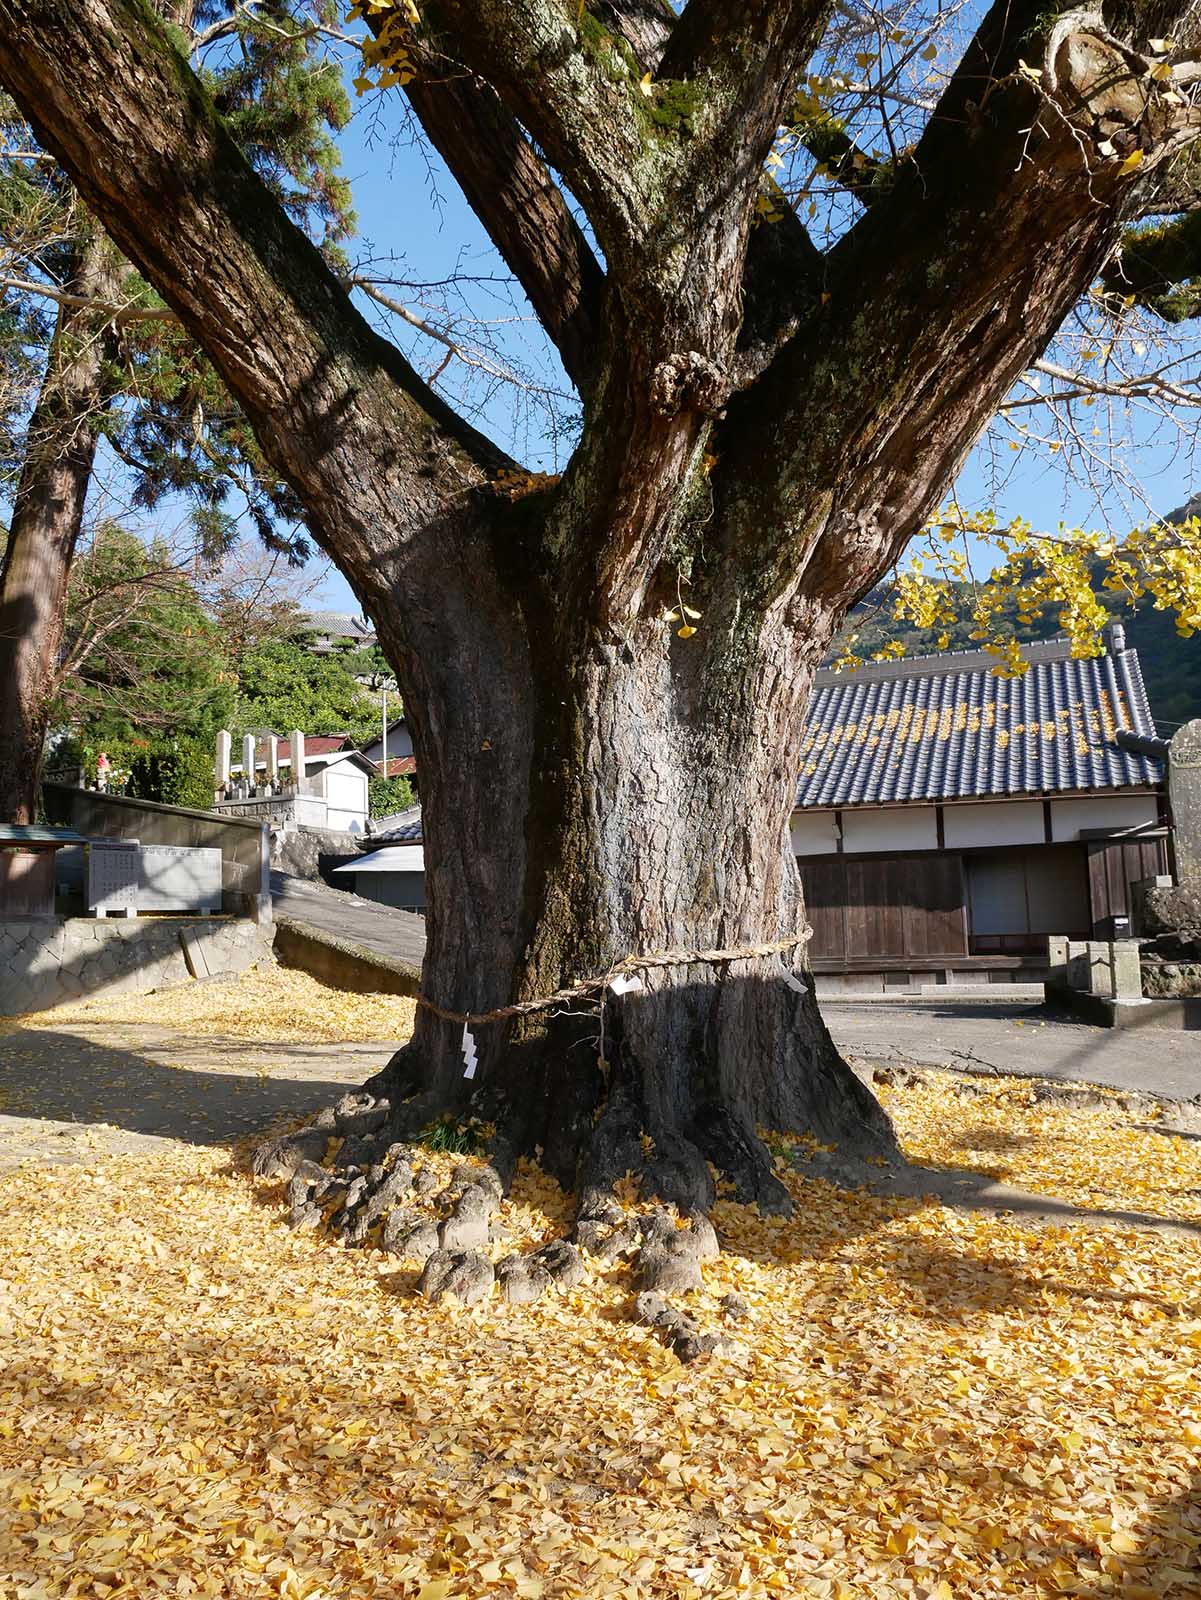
(1057, 963)
(248, 754)
(1125, 970)
(1078, 965)
(1100, 978)
(1184, 791)
(260, 904)
(221, 766)
(272, 759)
(297, 760)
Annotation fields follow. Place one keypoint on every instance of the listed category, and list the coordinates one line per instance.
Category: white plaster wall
(346, 799)
(813, 833)
(1115, 811)
(890, 828)
(400, 744)
(997, 822)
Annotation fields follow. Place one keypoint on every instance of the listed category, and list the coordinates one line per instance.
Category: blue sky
(408, 205)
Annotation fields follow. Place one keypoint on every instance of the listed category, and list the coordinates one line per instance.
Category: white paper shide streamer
(623, 985)
(470, 1059)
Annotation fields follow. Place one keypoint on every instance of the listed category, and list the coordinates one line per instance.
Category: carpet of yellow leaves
(923, 1403)
(1020, 1134)
(265, 1003)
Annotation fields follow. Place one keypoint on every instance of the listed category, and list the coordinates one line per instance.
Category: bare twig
(118, 314)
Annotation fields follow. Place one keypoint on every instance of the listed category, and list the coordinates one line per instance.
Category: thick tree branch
(849, 167)
(946, 290)
(643, 152)
(645, 25)
(1160, 267)
(749, 51)
(575, 87)
(248, 284)
(783, 266)
(523, 209)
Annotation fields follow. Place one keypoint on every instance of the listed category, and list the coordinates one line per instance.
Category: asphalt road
(1020, 1040)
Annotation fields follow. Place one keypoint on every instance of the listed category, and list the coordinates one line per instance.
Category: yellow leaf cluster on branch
(1159, 563)
(388, 52)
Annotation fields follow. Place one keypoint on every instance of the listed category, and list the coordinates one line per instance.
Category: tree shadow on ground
(969, 1191)
(993, 1139)
(433, 1444)
(952, 1284)
(63, 1077)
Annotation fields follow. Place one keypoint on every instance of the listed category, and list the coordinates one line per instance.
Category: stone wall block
(46, 962)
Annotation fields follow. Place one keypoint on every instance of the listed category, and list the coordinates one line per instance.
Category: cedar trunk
(48, 508)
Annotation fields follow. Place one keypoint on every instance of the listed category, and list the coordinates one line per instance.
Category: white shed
(340, 779)
(395, 876)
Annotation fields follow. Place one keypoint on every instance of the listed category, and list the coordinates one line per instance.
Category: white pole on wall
(221, 768)
(385, 700)
(297, 760)
(272, 760)
(248, 772)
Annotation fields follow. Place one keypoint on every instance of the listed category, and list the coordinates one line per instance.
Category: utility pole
(384, 698)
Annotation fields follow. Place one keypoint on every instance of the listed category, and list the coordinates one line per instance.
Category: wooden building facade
(949, 821)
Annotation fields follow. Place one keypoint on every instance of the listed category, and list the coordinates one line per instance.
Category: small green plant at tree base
(457, 1138)
(779, 1147)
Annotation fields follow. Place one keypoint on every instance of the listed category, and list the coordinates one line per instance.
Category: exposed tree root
(355, 1172)
(677, 1330)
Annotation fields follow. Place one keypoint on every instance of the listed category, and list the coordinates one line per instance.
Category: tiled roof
(398, 767)
(945, 728)
(324, 744)
(337, 625)
(402, 827)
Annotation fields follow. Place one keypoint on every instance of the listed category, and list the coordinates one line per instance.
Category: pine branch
(277, 325)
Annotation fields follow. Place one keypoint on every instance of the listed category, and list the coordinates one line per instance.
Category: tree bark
(48, 509)
(586, 801)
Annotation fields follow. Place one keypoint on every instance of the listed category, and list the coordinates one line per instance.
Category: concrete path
(1020, 1041)
(86, 1090)
(74, 1093)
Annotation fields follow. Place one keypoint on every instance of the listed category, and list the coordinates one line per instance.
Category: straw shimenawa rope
(591, 986)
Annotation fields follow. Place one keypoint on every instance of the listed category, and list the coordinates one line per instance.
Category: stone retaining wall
(299, 851)
(47, 961)
(340, 962)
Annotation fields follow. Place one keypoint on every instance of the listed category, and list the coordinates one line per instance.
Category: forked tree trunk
(48, 508)
(594, 787)
(585, 806)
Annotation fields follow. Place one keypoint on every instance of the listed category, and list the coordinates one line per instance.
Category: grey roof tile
(945, 728)
(402, 827)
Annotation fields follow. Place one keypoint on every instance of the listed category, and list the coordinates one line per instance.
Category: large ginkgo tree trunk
(765, 427)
